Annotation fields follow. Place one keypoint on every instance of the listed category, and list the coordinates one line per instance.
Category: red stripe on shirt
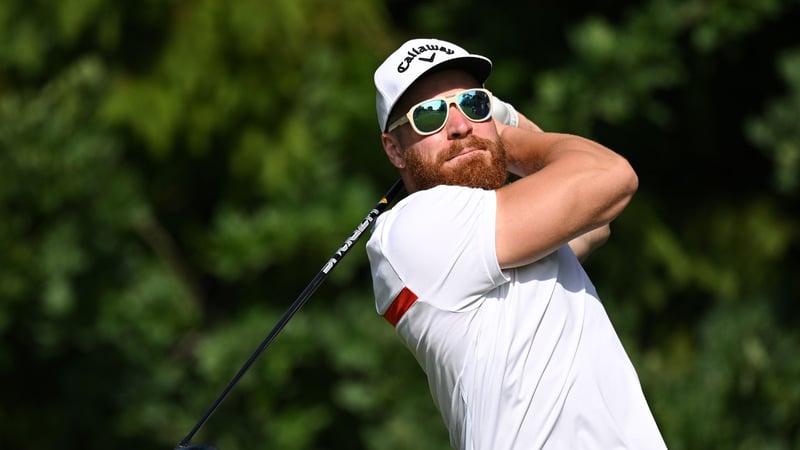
(399, 306)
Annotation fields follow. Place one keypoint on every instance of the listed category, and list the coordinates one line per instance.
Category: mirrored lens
(430, 115)
(475, 104)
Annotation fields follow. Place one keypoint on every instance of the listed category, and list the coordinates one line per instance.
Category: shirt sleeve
(440, 244)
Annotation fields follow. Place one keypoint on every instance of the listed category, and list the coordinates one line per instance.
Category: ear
(393, 150)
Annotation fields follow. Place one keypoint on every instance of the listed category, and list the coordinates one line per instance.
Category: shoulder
(441, 219)
(434, 216)
(442, 205)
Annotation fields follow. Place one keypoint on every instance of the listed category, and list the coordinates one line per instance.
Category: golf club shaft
(298, 303)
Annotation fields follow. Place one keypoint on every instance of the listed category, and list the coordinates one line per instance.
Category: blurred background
(173, 173)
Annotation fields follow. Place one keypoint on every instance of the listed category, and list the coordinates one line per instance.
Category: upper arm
(441, 245)
(577, 186)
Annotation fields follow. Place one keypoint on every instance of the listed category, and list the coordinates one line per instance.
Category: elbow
(623, 184)
(628, 179)
(634, 180)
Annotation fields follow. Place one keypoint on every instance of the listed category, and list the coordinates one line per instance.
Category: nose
(458, 126)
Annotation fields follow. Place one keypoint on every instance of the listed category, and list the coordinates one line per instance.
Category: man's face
(462, 153)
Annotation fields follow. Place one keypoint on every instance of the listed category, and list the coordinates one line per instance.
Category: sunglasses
(429, 116)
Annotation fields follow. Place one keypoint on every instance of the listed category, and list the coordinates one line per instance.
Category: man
(481, 277)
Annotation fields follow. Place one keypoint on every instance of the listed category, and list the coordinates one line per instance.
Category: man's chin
(484, 167)
(477, 174)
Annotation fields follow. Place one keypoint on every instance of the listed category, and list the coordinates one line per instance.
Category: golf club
(184, 444)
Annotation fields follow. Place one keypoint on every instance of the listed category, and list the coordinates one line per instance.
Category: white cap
(418, 57)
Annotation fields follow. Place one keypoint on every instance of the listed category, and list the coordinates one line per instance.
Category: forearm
(583, 245)
(506, 116)
(569, 187)
(528, 151)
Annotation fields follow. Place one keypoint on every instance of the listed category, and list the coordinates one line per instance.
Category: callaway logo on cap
(418, 57)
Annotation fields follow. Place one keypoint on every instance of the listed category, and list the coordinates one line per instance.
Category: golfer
(481, 277)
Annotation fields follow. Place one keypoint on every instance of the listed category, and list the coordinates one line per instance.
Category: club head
(196, 447)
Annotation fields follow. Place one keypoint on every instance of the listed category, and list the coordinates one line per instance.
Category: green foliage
(172, 174)
(776, 132)
(83, 298)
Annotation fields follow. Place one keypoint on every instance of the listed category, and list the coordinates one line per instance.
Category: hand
(505, 114)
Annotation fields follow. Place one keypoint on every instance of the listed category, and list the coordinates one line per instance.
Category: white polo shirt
(516, 359)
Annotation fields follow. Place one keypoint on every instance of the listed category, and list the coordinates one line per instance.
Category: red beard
(474, 172)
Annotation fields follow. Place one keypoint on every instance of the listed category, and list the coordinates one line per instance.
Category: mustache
(459, 145)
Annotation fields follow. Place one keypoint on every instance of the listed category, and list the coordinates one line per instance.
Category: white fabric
(516, 359)
(504, 113)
